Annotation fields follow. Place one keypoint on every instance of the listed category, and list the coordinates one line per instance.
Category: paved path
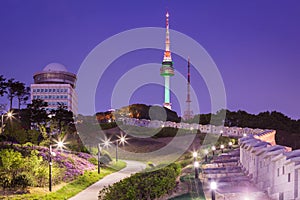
(91, 193)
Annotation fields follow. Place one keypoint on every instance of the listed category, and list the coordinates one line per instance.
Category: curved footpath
(91, 193)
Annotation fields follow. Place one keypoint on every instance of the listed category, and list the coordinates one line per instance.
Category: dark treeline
(265, 120)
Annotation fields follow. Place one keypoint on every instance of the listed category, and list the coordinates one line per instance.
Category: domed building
(55, 85)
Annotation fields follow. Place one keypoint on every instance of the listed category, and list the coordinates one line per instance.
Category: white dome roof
(57, 67)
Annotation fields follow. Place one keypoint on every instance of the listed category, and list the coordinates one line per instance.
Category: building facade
(55, 85)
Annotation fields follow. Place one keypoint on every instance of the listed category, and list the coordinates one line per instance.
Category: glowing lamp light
(195, 154)
(213, 148)
(9, 114)
(60, 144)
(222, 146)
(205, 151)
(196, 164)
(106, 143)
(230, 144)
(213, 185)
(244, 135)
(122, 139)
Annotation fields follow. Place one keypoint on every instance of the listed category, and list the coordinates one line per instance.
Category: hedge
(143, 186)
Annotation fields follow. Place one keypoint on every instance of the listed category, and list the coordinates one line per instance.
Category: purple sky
(255, 45)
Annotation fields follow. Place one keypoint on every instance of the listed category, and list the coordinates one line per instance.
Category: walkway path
(233, 183)
(91, 193)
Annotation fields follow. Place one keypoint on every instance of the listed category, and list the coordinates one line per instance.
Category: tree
(38, 113)
(63, 119)
(16, 89)
(22, 93)
(2, 85)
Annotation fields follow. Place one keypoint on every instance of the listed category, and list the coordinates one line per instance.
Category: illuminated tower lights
(167, 69)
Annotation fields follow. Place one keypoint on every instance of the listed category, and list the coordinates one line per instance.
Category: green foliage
(10, 166)
(105, 126)
(19, 172)
(74, 187)
(143, 186)
(93, 160)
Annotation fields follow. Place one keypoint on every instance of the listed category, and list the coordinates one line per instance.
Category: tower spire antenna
(167, 55)
(167, 69)
(188, 113)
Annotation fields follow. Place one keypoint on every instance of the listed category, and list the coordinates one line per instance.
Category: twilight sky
(255, 45)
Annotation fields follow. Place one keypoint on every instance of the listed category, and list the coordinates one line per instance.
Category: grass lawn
(72, 188)
(188, 197)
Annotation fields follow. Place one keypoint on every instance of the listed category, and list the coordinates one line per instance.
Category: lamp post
(213, 148)
(60, 145)
(206, 152)
(222, 148)
(121, 140)
(230, 145)
(213, 187)
(196, 166)
(106, 143)
(99, 157)
(195, 154)
(9, 115)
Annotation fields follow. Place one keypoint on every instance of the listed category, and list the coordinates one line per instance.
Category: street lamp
(206, 152)
(196, 166)
(230, 145)
(213, 187)
(195, 154)
(59, 145)
(9, 115)
(222, 148)
(244, 135)
(106, 143)
(121, 140)
(213, 148)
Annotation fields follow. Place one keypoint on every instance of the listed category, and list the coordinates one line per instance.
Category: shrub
(143, 186)
(21, 181)
(93, 160)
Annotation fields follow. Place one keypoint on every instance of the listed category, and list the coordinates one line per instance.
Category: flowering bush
(66, 165)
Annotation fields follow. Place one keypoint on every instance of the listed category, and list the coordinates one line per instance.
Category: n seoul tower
(167, 69)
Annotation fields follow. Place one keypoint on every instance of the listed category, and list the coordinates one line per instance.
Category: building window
(53, 90)
(277, 171)
(282, 169)
(66, 90)
(38, 90)
(34, 90)
(42, 90)
(260, 163)
(46, 90)
(50, 90)
(289, 177)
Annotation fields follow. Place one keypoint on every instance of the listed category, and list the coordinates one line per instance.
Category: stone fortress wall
(273, 168)
(225, 131)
